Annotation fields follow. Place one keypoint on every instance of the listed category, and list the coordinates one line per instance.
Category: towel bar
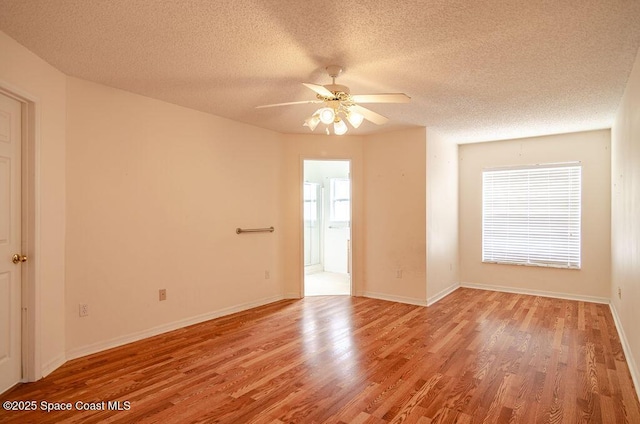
(254, 230)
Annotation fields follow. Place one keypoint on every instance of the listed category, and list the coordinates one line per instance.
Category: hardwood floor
(476, 356)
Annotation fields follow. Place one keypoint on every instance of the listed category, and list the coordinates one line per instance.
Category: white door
(10, 245)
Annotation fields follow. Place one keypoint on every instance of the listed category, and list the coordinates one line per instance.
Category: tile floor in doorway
(327, 283)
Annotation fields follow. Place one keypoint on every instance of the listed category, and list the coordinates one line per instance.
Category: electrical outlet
(619, 293)
(267, 275)
(398, 273)
(162, 294)
(83, 309)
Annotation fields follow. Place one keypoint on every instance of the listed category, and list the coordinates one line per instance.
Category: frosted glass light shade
(339, 127)
(311, 122)
(355, 119)
(326, 114)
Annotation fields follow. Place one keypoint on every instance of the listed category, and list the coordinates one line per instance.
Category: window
(340, 200)
(531, 216)
(310, 202)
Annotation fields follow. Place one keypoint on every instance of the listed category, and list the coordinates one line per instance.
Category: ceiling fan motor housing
(337, 88)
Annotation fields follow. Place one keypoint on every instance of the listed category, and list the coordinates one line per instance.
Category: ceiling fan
(338, 105)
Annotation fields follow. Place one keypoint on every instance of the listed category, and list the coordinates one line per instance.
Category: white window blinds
(531, 216)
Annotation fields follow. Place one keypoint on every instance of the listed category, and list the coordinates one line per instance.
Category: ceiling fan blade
(290, 103)
(369, 115)
(381, 98)
(319, 89)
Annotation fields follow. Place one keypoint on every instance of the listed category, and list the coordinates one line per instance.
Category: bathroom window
(340, 196)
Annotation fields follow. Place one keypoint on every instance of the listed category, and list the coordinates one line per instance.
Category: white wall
(625, 219)
(395, 215)
(442, 217)
(593, 150)
(154, 195)
(22, 71)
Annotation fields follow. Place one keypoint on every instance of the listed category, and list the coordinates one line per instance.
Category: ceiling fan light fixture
(355, 119)
(337, 105)
(339, 127)
(326, 115)
(311, 122)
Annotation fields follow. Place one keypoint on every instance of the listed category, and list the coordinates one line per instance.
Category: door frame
(301, 181)
(30, 186)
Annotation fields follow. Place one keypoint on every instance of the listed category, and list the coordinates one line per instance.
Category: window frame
(333, 200)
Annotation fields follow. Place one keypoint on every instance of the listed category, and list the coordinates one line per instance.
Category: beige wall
(442, 217)
(593, 150)
(625, 218)
(154, 195)
(297, 148)
(395, 216)
(21, 72)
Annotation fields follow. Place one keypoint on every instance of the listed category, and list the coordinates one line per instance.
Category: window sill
(535, 265)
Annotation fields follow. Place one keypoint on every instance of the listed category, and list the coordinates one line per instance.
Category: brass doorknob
(17, 258)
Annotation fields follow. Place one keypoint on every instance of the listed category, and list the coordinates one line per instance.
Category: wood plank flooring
(474, 357)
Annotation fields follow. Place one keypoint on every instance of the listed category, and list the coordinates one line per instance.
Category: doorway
(327, 227)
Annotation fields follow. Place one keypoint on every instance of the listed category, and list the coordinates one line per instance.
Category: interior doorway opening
(327, 227)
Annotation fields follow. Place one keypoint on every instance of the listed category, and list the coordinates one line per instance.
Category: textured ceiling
(475, 70)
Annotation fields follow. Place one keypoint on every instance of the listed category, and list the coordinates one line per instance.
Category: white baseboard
(541, 293)
(392, 298)
(631, 363)
(164, 328)
(53, 364)
(442, 294)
